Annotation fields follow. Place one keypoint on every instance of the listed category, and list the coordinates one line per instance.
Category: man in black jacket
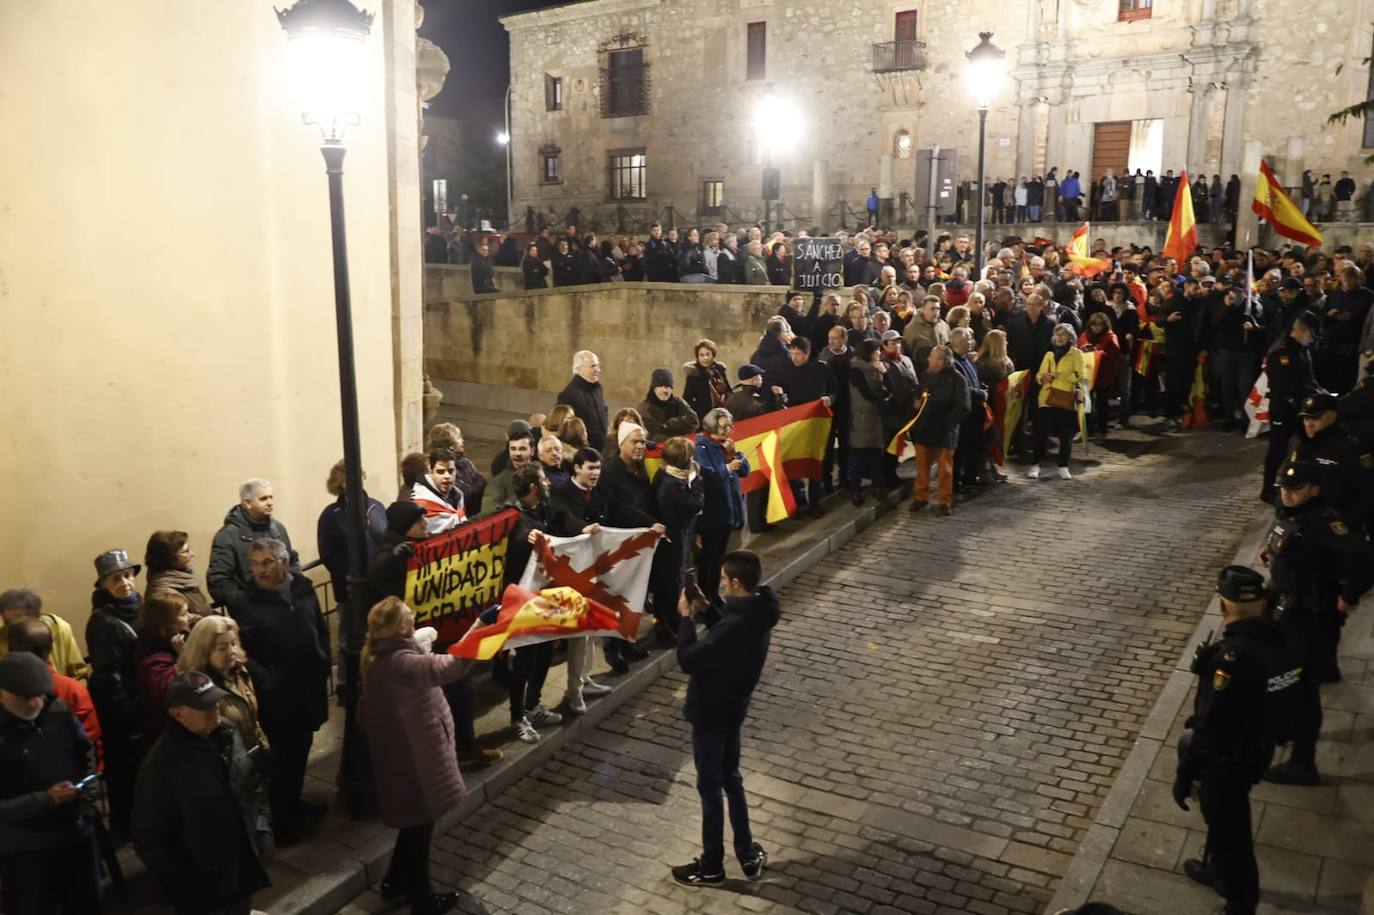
(200, 823)
(483, 277)
(48, 857)
(627, 488)
(1288, 366)
(287, 643)
(944, 404)
(1181, 320)
(803, 323)
(724, 668)
(806, 381)
(585, 396)
(248, 521)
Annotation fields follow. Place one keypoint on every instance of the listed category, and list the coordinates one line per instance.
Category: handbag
(1060, 399)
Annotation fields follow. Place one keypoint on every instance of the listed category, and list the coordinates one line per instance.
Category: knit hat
(661, 378)
(626, 429)
(747, 371)
(401, 516)
(23, 674)
(518, 428)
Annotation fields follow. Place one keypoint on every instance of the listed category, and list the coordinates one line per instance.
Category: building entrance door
(1111, 148)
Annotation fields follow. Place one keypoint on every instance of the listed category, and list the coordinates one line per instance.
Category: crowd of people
(199, 697)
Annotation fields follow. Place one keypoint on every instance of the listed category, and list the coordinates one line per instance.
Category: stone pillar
(1025, 138)
(1033, 21)
(1233, 127)
(1293, 153)
(1054, 139)
(1247, 223)
(885, 190)
(820, 192)
(1197, 129)
(1206, 25)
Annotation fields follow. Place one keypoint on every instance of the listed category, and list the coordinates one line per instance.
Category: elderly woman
(110, 637)
(755, 269)
(679, 496)
(163, 623)
(868, 392)
(410, 737)
(1060, 372)
(721, 468)
(168, 558)
(213, 648)
(707, 384)
(665, 414)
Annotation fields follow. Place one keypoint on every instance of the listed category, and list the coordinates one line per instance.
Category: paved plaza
(946, 706)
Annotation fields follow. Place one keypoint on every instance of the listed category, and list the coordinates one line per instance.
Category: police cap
(1317, 403)
(1311, 320)
(1299, 474)
(1241, 584)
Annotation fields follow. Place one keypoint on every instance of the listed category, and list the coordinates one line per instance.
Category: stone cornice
(1079, 76)
(571, 12)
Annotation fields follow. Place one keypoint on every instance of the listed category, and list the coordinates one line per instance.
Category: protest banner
(609, 568)
(528, 618)
(453, 577)
(817, 263)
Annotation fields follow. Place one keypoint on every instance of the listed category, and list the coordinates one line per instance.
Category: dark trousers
(1304, 630)
(971, 455)
(716, 751)
(459, 696)
(409, 868)
(290, 753)
(714, 540)
(837, 454)
(1224, 794)
(756, 507)
(1178, 381)
(1061, 424)
(123, 755)
(865, 462)
(65, 880)
(528, 670)
(1275, 451)
(666, 576)
(1233, 373)
(890, 480)
(1097, 419)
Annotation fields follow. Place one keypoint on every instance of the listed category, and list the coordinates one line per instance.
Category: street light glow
(775, 120)
(986, 67)
(326, 71)
(502, 137)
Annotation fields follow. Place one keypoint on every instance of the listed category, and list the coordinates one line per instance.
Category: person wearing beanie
(386, 567)
(665, 414)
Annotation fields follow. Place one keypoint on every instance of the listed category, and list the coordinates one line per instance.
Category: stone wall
(1216, 72)
(527, 339)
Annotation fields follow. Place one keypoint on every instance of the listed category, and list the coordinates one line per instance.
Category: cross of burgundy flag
(609, 568)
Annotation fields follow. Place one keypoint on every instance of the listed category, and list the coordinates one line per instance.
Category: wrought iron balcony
(895, 56)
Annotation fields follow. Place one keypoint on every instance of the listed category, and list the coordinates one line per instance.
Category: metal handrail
(896, 56)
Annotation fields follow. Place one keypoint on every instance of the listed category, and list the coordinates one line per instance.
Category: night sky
(478, 50)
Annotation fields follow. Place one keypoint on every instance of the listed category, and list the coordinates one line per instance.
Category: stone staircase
(484, 411)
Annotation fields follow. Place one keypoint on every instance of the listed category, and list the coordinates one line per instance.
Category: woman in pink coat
(410, 736)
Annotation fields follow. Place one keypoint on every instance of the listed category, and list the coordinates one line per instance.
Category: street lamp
(775, 123)
(327, 74)
(503, 138)
(986, 67)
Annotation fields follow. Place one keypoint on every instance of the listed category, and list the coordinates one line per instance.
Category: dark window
(553, 93)
(550, 165)
(905, 29)
(625, 174)
(625, 84)
(712, 196)
(1134, 9)
(758, 50)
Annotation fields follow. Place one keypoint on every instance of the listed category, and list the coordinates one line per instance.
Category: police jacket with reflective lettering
(1314, 556)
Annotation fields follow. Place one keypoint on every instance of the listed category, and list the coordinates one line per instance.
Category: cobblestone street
(946, 705)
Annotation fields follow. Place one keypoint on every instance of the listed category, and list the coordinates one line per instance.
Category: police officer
(1347, 467)
(1356, 410)
(1319, 569)
(1289, 367)
(1247, 687)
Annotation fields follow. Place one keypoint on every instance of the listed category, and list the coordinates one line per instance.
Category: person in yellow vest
(1061, 370)
(19, 604)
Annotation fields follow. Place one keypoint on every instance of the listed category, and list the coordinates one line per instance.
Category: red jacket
(1108, 362)
(71, 691)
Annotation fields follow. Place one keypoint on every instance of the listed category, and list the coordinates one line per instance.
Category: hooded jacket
(228, 575)
(725, 665)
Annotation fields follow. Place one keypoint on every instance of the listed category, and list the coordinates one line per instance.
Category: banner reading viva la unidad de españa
(454, 576)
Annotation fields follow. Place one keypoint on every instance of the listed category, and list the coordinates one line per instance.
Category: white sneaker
(540, 716)
(525, 731)
(1064, 474)
(1034, 472)
(575, 703)
(591, 688)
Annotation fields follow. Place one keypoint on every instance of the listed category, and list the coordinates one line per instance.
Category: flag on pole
(1083, 261)
(1181, 240)
(610, 568)
(901, 445)
(1091, 361)
(1274, 206)
(1257, 407)
(1196, 417)
(1018, 383)
(528, 618)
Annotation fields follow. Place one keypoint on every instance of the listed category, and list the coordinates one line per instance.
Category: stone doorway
(1111, 148)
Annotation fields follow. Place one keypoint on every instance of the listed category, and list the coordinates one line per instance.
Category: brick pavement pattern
(945, 706)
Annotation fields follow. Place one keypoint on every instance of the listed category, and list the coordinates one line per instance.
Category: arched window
(901, 144)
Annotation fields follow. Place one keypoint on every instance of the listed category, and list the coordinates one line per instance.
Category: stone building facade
(631, 110)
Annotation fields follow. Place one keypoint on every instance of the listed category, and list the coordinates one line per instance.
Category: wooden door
(1111, 148)
(905, 34)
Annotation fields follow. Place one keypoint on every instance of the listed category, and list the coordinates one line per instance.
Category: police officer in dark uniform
(1356, 411)
(1347, 467)
(1289, 367)
(1247, 690)
(1320, 568)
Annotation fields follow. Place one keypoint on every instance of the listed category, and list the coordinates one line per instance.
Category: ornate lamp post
(327, 67)
(986, 67)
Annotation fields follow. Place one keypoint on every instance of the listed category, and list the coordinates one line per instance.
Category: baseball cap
(195, 690)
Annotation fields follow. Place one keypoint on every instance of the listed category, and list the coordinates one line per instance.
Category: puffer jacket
(664, 419)
(868, 393)
(723, 505)
(228, 574)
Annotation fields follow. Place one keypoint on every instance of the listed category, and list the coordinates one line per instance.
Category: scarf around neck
(174, 580)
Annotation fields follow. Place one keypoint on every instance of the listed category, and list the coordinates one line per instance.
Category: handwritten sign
(453, 577)
(818, 263)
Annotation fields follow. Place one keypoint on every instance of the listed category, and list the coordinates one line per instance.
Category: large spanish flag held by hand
(1274, 206)
(1083, 262)
(1181, 241)
(528, 618)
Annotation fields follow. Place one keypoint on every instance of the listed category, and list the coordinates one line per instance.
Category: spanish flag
(1083, 262)
(1018, 386)
(1181, 240)
(527, 618)
(1196, 417)
(1091, 363)
(1274, 206)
